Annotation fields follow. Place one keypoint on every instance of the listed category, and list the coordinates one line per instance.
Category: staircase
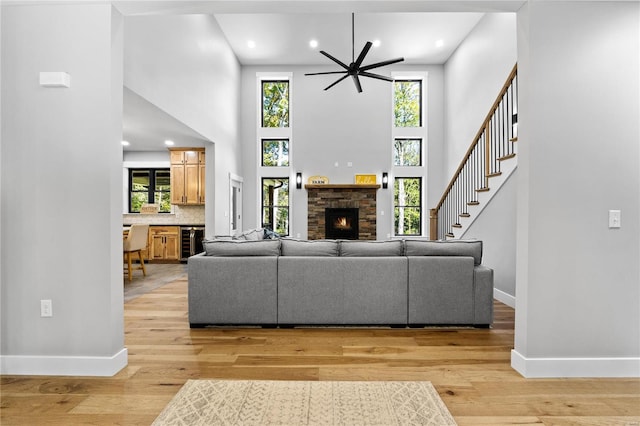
(487, 164)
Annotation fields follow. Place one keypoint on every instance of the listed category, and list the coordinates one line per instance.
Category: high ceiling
(423, 32)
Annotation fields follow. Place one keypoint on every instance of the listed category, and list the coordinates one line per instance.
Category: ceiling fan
(355, 68)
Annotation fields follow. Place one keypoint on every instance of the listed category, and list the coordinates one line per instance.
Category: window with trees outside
(407, 103)
(275, 152)
(407, 203)
(409, 149)
(275, 103)
(275, 205)
(407, 152)
(149, 186)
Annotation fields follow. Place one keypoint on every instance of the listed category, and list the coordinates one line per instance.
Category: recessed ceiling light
(125, 143)
(169, 143)
(376, 43)
(251, 44)
(439, 43)
(313, 43)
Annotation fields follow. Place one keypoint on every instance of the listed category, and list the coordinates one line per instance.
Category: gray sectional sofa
(285, 282)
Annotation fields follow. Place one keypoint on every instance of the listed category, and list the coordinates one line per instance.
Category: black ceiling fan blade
(327, 72)
(381, 64)
(363, 53)
(336, 82)
(356, 81)
(337, 61)
(372, 75)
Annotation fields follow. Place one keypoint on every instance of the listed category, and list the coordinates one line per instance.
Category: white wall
(474, 75)
(339, 125)
(61, 191)
(578, 304)
(184, 65)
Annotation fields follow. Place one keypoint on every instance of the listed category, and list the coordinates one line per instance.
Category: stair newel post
(433, 224)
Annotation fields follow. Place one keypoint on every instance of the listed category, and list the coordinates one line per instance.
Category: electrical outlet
(46, 308)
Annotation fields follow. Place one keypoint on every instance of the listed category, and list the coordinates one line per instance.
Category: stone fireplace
(330, 196)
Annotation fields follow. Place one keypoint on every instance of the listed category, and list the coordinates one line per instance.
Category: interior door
(235, 207)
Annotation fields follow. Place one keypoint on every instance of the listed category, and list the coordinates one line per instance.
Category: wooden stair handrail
(485, 123)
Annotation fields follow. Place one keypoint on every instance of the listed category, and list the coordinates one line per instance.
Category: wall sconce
(385, 180)
(298, 180)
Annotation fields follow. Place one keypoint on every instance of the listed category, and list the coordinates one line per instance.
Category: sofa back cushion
(445, 248)
(371, 248)
(321, 248)
(242, 248)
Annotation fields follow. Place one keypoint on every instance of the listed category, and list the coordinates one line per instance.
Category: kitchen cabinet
(187, 176)
(164, 243)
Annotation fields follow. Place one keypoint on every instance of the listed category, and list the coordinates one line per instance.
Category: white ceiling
(283, 39)
(407, 29)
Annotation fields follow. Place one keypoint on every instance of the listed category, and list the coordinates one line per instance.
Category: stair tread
(485, 189)
(473, 203)
(513, 139)
(465, 215)
(507, 157)
(495, 174)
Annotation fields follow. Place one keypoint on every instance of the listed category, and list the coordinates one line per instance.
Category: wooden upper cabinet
(187, 176)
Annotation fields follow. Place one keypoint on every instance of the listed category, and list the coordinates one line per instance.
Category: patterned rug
(291, 403)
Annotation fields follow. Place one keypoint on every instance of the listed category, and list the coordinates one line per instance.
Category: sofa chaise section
(239, 287)
(447, 284)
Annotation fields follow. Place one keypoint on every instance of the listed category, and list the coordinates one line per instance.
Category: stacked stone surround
(362, 197)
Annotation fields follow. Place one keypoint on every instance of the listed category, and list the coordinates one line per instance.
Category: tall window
(275, 204)
(149, 186)
(275, 103)
(275, 152)
(407, 103)
(274, 141)
(407, 206)
(409, 135)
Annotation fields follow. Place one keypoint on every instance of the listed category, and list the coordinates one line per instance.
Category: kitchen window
(149, 186)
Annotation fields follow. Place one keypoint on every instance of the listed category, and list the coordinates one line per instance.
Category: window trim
(263, 140)
(263, 205)
(420, 207)
(152, 185)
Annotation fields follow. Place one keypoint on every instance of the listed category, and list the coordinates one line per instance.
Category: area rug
(292, 403)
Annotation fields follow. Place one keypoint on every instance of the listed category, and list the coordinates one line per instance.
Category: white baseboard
(63, 366)
(505, 298)
(575, 367)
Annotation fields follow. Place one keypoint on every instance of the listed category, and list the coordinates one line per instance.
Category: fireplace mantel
(341, 186)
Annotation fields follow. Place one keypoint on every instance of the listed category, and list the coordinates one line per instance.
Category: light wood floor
(469, 368)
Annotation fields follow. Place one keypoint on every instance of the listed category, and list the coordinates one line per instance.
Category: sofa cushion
(371, 248)
(445, 248)
(242, 248)
(310, 248)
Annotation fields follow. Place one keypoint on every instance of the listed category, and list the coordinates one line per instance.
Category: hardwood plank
(470, 369)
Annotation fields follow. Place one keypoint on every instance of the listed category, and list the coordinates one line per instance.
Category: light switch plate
(614, 218)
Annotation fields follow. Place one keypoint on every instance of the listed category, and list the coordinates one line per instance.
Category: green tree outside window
(275, 204)
(407, 103)
(407, 152)
(275, 152)
(275, 103)
(407, 195)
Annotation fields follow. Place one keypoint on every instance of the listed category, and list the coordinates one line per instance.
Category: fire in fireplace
(341, 223)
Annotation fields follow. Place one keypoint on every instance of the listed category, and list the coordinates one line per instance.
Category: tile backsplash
(182, 215)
